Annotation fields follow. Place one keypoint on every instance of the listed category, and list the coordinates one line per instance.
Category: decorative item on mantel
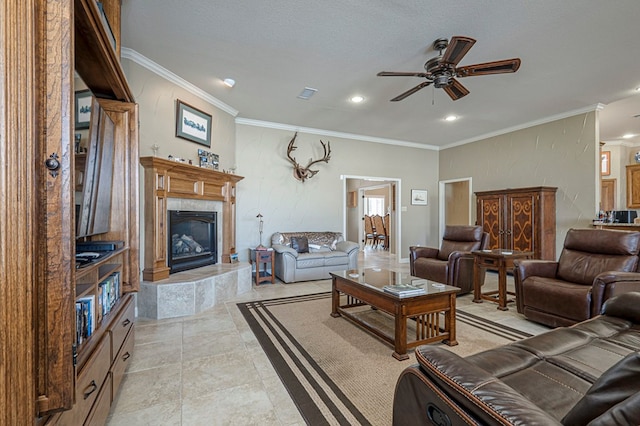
(637, 157)
(303, 173)
(260, 227)
(208, 160)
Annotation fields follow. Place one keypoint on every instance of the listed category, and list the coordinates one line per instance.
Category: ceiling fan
(441, 71)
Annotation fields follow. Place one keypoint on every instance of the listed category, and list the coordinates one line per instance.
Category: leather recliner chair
(594, 265)
(452, 264)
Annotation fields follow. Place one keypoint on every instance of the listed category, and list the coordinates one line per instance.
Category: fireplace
(192, 241)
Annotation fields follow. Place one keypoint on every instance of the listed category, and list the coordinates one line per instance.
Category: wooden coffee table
(365, 287)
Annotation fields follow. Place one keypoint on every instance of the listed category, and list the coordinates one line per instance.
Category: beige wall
(317, 204)
(562, 153)
(156, 98)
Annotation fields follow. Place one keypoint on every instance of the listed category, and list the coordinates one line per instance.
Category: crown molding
(545, 120)
(143, 61)
(331, 133)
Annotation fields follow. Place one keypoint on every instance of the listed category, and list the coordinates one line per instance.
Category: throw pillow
(614, 386)
(300, 244)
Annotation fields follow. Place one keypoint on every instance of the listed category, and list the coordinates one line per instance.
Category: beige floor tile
(148, 388)
(204, 376)
(248, 404)
(152, 355)
(161, 332)
(167, 414)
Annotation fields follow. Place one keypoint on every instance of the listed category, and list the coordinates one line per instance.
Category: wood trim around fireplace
(165, 179)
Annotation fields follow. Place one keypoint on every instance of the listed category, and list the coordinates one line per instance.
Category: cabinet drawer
(122, 361)
(100, 411)
(88, 384)
(121, 326)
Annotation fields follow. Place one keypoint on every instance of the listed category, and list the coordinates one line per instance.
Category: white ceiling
(575, 54)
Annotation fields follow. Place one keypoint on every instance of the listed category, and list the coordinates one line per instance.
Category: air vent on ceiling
(307, 93)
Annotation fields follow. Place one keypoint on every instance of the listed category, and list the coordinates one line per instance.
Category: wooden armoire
(522, 219)
(48, 376)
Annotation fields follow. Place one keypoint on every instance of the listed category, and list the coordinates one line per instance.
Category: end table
(495, 259)
(262, 258)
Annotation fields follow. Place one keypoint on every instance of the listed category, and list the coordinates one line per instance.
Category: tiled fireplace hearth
(169, 186)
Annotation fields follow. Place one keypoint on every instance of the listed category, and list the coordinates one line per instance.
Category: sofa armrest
(609, 284)
(461, 271)
(416, 252)
(347, 246)
(524, 269)
(281, 249)
(625, 306)
(479, 394)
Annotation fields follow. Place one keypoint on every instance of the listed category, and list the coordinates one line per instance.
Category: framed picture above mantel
(193, 124)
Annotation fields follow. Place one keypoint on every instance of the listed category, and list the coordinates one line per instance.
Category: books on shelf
(404, 290)
(91, 309)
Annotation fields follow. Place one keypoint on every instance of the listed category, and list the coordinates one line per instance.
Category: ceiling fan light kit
(442, 71)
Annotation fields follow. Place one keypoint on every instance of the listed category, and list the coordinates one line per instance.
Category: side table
(499, 259)
(262, 258)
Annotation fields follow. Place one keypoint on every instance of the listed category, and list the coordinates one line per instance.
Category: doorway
(455, 203)
(353, 213)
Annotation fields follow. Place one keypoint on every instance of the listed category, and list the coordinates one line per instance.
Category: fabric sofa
(586, 374)
(452, 264)
(591, 269)
(325, 252)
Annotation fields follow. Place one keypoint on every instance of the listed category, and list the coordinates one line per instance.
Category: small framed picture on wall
(193, 124)
(419, 197)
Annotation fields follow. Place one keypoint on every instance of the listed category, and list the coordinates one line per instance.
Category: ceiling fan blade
(495, 67)
(400, 74)
(458, 47)
(456, 90)
(410, 91)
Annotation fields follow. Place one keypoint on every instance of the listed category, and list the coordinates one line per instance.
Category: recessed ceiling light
(451, 118)
(628, 136)
(229, 82)
(357, 99)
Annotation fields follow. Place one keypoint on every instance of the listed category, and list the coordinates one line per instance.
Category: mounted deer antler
(303, 173)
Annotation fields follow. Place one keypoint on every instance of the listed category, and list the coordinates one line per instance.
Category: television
(93, 198)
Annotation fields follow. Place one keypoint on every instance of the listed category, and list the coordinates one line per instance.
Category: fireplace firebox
(192, 239)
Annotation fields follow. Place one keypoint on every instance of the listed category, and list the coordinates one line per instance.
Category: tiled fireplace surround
(173, 186)
(190, 292)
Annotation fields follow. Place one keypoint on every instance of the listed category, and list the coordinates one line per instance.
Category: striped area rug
(338, 373)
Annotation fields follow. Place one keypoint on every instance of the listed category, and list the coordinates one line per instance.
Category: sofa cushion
(310, 260)
(336, 258)
(614, 386)
(567, 299)
(583, 267)
(300, 244)
(431, 269)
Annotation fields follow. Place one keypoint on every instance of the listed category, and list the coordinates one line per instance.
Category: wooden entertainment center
(48, 376)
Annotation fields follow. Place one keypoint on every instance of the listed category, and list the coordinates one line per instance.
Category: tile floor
(209, 369)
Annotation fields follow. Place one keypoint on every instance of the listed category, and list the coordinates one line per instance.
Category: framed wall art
(419, 197)
(82, 109)
(193, 124)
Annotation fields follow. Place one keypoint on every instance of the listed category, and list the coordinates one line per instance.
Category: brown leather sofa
(452, 264)
(579, 375)
(587, 273)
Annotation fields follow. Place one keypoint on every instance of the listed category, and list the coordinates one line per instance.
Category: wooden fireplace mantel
(165, 179)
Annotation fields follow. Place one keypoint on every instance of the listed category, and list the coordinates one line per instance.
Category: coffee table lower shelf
(433, 315)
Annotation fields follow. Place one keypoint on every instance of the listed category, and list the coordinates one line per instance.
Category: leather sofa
(327, 252)
(583, 374)
(452, 264)
(590, 270)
